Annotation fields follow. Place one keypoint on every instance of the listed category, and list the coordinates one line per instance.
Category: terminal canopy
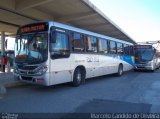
(78, 13)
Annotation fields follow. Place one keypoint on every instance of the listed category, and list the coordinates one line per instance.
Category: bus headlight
(15, 70)
(150, 63)
(41, 70)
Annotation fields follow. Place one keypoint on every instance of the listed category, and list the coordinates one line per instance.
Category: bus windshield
(31, 48)
(144, 54)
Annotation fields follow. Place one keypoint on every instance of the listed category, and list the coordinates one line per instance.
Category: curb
(3, 88)
(14, 84)
(3, 91)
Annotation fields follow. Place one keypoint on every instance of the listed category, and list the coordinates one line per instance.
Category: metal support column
(2, 49)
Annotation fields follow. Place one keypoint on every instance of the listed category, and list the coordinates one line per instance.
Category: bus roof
(60, 25)
(72, 28)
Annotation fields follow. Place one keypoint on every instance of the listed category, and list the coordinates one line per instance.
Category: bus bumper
(143, 67)
(40, 80)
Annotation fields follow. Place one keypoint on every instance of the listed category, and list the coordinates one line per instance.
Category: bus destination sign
(34, 28)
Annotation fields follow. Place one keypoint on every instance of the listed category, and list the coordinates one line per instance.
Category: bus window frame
(54, 31)
(122, 48)
(100, 52)
(72, 45)
(128, 53)
(109, 44)
(92, 51)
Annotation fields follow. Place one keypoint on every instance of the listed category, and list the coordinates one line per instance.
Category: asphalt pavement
(7, 81)
(134, 92)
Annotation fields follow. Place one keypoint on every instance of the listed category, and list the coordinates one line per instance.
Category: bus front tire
(120, 70)
(77, 77)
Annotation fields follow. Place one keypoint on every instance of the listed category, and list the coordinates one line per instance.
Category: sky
(10, 44)
(140, 19)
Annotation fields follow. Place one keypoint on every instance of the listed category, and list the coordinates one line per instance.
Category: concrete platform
(7, 81)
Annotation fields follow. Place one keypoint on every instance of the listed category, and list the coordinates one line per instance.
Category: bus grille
(29, 67)
(26, 78)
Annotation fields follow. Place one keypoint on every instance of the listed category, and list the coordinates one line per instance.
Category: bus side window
(77, 42)
(102, 46)
(113, 49)
(131, 50)
(120, 48)
(126, 49)
(60, 49)
(91, 44)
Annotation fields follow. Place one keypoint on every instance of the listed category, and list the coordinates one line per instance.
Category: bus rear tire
(120, 70)
(77, 77)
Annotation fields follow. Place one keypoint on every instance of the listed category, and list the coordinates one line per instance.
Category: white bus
(50, 53)
(147, 57)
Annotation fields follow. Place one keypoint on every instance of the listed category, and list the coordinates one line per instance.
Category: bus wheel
(77, 77)
(120, 70)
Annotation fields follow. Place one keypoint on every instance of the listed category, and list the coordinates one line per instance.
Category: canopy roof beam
(75, 17)
(26, 4)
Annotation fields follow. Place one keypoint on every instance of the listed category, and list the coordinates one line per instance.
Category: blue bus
(147, 57)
